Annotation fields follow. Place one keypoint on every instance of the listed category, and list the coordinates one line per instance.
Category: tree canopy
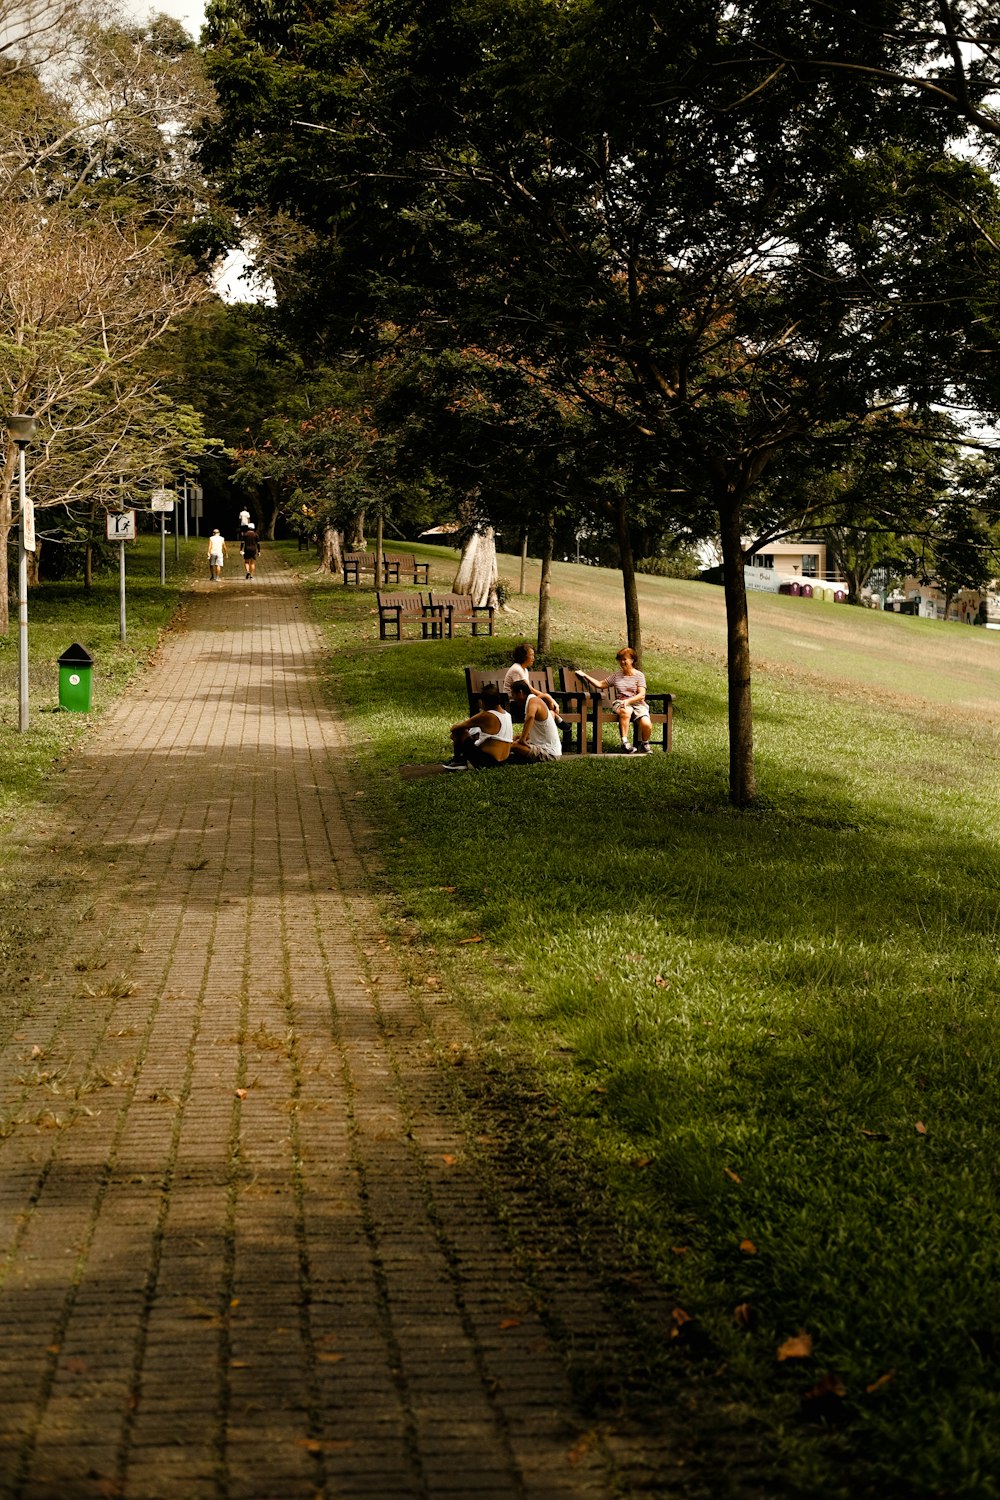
(714, 257)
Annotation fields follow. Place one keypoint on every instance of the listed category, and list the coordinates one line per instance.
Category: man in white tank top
(539, 737)
(483, 740)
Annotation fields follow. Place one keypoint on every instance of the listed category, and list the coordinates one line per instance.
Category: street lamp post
(22, 429)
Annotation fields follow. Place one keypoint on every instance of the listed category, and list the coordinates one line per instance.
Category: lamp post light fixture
(22, 429)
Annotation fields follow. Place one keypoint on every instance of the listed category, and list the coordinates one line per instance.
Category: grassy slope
(775, 1032)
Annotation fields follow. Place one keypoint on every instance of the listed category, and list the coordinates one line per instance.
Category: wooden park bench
(393, 564)
(601, 711)
(393, 609)
(414, 570)
(458, 609)
(356, 563)
(574, 707)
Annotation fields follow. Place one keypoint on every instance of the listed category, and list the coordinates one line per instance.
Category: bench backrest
(410, 604)
(573, 683)
(460, 603)
(476, 682)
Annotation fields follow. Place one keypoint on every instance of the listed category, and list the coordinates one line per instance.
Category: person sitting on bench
(524, 656)
(629, 687)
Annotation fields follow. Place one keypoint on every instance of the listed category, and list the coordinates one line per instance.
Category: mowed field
(766, 1041)
(895, 660)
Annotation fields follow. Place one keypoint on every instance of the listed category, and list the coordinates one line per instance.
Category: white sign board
(762, 580)
(120, 525)
(162, 500)
(28, 526)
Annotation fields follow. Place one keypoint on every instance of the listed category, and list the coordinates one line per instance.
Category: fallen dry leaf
(732, 1175)
(449, 1161)
(661, 983)
(881, 1382)
(581, 1448)
(743, 1315)
(799, 1346)
(642, 1161)
(678, 1318)
(920, 1128)
(748, 1247)
(874, 1135)
(451, 889)
(679, 1249)
(824, 1402)
(241, 1093)
(477, 938)
(830, 1384)
(506, 1323)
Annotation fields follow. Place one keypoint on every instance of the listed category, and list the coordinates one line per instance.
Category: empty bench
(393, 609)
(459, 610)
(395, 565)
(403, 564)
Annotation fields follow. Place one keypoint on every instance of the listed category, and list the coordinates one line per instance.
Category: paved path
(244, 1249)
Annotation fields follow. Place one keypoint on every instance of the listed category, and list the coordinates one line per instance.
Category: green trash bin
(76, 679)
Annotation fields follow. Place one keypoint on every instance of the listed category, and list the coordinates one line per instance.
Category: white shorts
(632, 710)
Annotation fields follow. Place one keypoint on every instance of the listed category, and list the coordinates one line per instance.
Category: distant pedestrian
(217, 554)
(251, 550)
(244, 520)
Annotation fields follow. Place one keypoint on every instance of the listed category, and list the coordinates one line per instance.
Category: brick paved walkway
(244, 1251)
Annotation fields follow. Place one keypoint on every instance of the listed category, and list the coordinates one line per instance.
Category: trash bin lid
(76, 656)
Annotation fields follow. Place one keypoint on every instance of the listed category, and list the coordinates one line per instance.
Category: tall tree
(97, 194)
(712, 258)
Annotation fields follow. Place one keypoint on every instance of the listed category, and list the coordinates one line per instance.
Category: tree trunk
(331, 551)
(88, 565)
(354, 533)
(6, 522)
(477, 571)
(633, 627)
(544, 588)
(742, 783)
(524, 559)
(378, 551)
(270, 503)
(34, 563)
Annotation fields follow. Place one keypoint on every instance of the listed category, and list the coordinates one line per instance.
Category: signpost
(163, 501)
(120, 526)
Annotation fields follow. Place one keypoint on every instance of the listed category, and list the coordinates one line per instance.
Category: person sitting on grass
(524, 656)
(483, 740)
(539, 737)
(629, 687)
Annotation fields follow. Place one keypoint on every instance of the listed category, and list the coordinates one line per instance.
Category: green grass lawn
(772, 1035)
(61, 614)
